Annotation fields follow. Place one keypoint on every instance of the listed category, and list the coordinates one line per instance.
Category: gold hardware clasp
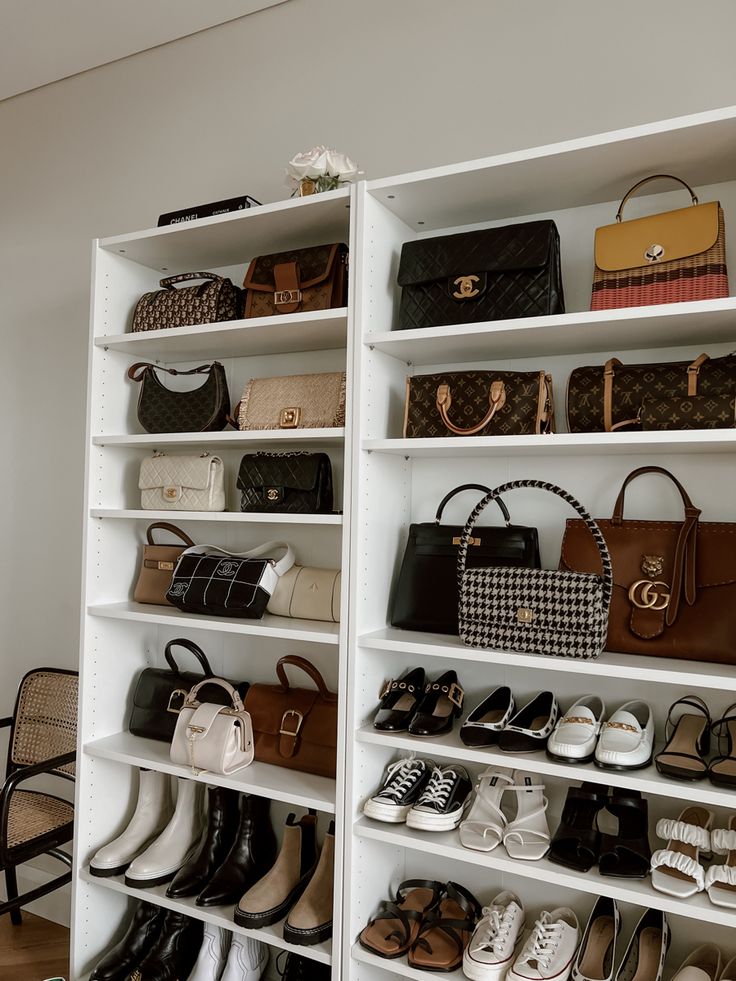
(655, 253)
(524, 614)
(165, 566)
(176, 693)
(284, 297)
(289, 418)
(471, 541)
(466, 289)
(272, 494)
(646, 594)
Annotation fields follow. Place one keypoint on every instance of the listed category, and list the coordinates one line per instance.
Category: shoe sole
(572, 760)
(684, 775)
(149, 883)
(254, 921)
(108, 873)
(388, 813)
(420, 822)
(307, 938)
(620, 766)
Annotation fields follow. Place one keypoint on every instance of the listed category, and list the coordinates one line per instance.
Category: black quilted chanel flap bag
(494, 274)
(297, 483)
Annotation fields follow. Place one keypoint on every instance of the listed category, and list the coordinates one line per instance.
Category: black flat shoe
(399, 701)
(627, 854)
(531, 727)
(486, 722)
(688, 740)
(722, 769)
(441, 705)
(577, 841)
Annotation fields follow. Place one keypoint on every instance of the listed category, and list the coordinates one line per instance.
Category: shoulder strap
(281, 567)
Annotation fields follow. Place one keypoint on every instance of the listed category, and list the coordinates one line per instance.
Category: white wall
(400, 84)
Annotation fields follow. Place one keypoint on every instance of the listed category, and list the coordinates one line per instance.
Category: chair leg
(11, 885)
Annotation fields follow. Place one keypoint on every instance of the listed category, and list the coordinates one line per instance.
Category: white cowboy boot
(212, 954)
(246, 961)
(163, 858)
(152, 813)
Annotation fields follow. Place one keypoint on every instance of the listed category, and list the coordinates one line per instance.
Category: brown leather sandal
(393, 929)
(446, 931)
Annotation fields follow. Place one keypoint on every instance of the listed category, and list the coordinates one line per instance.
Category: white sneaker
(549, 951)
(576, 734)
(494, 942)
(627, 738)
(246, 961)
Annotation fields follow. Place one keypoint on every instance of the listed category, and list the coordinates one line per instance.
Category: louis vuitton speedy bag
(212, 301)
(297, 281)
(182, 483)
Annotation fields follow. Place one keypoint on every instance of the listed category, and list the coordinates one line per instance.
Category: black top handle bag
(162, 410)
(426, 595)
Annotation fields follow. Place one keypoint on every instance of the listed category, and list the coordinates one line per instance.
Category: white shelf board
(318, 330)
(570, 174)
(226, 240)
(688, 674)
(638, 891)
(221, 916)
(560, 444)
(283, 628)
(400, 965)
(284, 437)
(647, 780)
(671, 324)
(273, 782)
(235, 517)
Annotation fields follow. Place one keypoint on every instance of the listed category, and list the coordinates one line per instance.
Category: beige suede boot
(271, 898)
(310, 921)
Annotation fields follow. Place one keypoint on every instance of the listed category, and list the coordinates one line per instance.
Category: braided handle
(553, 489)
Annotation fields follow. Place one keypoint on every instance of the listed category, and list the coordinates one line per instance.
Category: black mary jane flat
(441, 705)
(399, 701)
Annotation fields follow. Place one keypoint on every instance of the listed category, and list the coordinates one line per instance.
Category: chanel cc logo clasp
(289, 418)
(272, 494)
(465, 287)
(655, 253)
(648, 595)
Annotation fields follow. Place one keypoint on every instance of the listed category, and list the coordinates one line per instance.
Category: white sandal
(527, 837)
(676, 869)
(483, 829)
(720, 880)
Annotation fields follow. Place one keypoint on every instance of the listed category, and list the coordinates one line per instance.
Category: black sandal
(399, 700)
(627, 854)
(446, 931)
(722, 769)
(688, 741)
(577, 841)
(395, 926)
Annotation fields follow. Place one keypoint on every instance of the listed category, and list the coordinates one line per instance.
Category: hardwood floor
(36, 950)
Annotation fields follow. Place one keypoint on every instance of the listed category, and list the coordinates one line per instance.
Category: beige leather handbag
(212, 737)
(182, 483)
(308, 594)
(293, 402)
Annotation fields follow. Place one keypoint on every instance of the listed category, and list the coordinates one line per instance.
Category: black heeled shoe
(399, 700)
(627, 854)
(577, 841)
(722, 769)
(688, 740)
(441, 705)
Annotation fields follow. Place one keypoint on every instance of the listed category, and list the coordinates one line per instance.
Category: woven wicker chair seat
(33, 814)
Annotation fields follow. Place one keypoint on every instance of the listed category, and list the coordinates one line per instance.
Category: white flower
(321, 161)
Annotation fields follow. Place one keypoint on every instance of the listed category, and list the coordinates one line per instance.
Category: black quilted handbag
(160, 410)
(296, 483)
(495, 274)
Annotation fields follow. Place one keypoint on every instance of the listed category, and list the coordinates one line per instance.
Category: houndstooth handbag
(534, 611)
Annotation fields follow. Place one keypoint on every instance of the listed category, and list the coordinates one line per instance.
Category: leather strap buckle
(299, 722)
(283, 298)
(176, 693)
(456, 695)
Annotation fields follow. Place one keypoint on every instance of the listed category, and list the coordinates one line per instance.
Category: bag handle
(683, 571)
(496, 400)
(464, 487)
(609, 371)
(234, 696)
(281, 567)
(647, 180)
(309, 669)
(168, 283)
(193, 648)
(137, 371)
(172, 529)
(552, 488)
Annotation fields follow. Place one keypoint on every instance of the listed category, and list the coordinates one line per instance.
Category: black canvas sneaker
(442, 804)
(403, 784)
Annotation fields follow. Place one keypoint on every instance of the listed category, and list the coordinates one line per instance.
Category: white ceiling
(42, 41)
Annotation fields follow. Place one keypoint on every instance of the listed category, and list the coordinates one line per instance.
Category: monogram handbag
(478, 403)
(157, 564)
(674, 582)
(161, 410)
(666, 258)
(307, 593)
(211, 581)
(182, 483)
(695, 394)
(294, 482)
(493, 274)
(535, 611)
(426, 596)
(210, 736)
(212, 301)
(293, 402)
(160, 693)
(297, 281)
(295, 727)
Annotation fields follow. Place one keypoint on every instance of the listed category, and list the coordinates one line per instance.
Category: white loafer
(493, 944)
(627, 738)
(685, 837)
(576, 734)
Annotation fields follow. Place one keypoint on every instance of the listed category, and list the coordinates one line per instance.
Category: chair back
(45, 719)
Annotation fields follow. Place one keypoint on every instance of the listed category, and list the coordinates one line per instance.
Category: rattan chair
(43, 740)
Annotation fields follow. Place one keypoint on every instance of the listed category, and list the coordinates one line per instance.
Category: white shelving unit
(119, 636)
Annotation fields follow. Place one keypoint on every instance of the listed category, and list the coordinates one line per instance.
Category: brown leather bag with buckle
(157, 565)
(295, 727)
(297, 281)
(674, 582)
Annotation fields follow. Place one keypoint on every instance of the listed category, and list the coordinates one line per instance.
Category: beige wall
(400, 84)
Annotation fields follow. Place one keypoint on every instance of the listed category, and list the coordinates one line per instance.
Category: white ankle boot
(152, 813)
(162, 859)
(212, 954)
(246, 961)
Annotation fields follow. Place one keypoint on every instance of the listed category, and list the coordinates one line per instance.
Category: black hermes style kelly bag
(493, 274)
(426, 595)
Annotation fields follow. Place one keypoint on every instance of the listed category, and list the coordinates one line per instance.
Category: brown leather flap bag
(674, 592)
(295, 727)
(300, 280)
(157, 564)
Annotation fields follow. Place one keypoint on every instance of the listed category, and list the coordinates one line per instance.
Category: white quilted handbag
(217, 738)
(182, 483)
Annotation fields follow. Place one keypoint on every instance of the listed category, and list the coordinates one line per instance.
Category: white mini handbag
(216, 738)
(182, 483)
